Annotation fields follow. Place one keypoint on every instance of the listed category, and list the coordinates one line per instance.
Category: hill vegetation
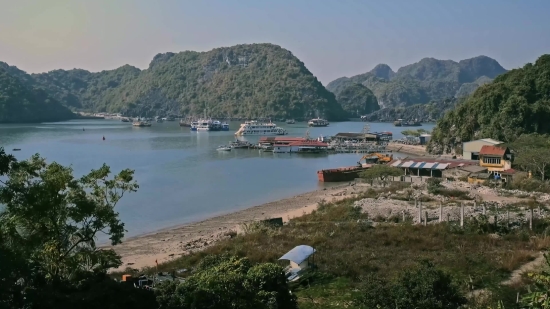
(429, 80)
(21, 102)
(515, 103)
(428, 112)
(358, 100)
(257, 80)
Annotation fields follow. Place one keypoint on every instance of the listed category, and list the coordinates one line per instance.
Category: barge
(341, 174)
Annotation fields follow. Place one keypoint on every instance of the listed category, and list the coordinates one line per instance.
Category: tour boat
(256, 128)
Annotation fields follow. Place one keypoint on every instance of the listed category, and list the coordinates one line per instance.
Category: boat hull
(341, 174)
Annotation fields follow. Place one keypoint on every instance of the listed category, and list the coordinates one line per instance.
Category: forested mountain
(20, 101)
(428, 112)
(358, 100)
(514, 103)
(256, 80)
(429, 80)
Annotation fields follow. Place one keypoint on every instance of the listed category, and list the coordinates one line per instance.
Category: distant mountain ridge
(22, 102)
(426, 81)
(250, 80)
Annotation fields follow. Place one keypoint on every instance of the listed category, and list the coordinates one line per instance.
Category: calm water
(182, 176)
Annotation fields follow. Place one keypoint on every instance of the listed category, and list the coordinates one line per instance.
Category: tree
(229, 282)
(426, 287)
(532, 153)
(381, 172)
(52, 219)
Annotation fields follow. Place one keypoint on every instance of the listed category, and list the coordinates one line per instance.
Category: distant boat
(290, 121)
(141, 124)
(317, 122)
(124, 119)
(224, 148)
(170, 118)
(16, 149)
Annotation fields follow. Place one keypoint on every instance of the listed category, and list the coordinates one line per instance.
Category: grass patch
(349, 250)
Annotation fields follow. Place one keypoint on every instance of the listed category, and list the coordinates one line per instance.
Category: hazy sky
(333, 37)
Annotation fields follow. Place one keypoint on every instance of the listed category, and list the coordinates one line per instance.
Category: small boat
(16, 149)
(225, 126)
(159, 120)
(290, 121)
(194, 125)
(224, 148)
(141, 123)
(170, 118)
(239, 144)
(124, 119)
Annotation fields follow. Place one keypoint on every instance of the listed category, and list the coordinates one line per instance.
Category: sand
(165, 245)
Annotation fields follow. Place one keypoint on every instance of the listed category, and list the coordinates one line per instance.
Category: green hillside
(514, 103)
(256, 80)
(20, 102)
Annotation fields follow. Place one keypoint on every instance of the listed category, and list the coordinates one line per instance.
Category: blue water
(182, 177)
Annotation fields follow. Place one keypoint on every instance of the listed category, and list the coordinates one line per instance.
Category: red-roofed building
(495, 158)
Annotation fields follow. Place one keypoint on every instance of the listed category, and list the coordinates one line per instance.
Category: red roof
(509, 171)
(309, 143)
(492, 150)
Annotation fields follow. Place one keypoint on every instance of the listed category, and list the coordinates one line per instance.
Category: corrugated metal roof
(429, 165)
(421, 165)
(442, 166)
(298, 254)
(407, 164)
(396, 163)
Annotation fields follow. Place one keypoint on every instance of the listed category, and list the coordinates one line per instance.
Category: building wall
(493, 167)
(455, 173)
(473, 146)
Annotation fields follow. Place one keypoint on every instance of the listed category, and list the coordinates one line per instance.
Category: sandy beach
(168, 244)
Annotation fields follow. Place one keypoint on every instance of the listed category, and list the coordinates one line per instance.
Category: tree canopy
(223, 281)
(381, 173)
(515, 103)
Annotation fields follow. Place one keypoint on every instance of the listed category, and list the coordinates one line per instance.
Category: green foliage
(423, 287)
(358, 100)
(20, 102)
(380, 172)
(256, 80)
(428, 112)
(434, 184)
(515, 103)
(532, 153)
(229, 282)
(52, 219)
(427, 80)
(415, 133)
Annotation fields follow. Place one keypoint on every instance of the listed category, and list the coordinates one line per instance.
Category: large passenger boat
(256, 128)
(317, 122)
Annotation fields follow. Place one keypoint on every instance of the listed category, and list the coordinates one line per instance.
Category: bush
(424, 287)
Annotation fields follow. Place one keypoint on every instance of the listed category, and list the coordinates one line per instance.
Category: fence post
(420, 213)
(531, 219)
(484, 211)
(403, 213)
(440, 212)
(448, 217)
(461, 214)
(426, 219)
(508, 218)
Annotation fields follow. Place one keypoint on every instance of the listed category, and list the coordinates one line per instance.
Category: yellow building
(495, 159)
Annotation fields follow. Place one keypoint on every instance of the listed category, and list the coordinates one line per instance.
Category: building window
(491, 160)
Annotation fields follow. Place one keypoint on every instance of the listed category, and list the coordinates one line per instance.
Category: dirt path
(516, 275)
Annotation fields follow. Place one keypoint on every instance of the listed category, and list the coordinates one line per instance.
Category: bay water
(182, 177)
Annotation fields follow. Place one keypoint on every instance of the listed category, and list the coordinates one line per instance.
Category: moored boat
(224, 148)
(141, 123)
(256, 128)
(318, 122)
(290, 121)
(341, 174)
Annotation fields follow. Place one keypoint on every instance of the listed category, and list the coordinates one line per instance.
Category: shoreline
(170, 243)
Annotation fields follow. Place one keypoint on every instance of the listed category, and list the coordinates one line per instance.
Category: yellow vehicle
(376, 158)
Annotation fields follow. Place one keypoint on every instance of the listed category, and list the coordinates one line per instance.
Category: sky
(333, 38)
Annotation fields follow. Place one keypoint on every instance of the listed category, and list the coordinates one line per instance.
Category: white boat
(141, 124)
(256, 128)
(318, 122)
(194, 125)
(224, 148)
(204, 125)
